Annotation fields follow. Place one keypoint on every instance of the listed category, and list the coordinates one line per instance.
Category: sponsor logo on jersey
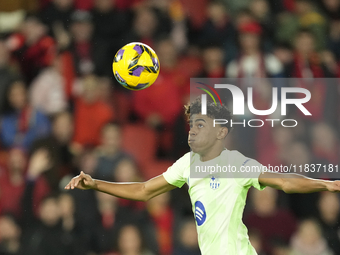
(214, 183)
(245, 161)
(200, 214)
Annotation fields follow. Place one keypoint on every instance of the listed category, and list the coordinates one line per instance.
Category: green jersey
(217, 202)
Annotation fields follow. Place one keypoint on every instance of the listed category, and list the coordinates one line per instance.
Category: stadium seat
(122, 106)
(139, 141)
(3, 157)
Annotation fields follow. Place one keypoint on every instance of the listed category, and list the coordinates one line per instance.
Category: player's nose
(191, 132)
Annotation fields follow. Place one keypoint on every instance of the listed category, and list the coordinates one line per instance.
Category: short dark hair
(305, 31)
(214, 111)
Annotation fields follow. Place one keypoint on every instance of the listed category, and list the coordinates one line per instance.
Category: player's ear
(223, 132)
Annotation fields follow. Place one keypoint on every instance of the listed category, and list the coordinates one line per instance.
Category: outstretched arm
(141, 191)
(295, 183)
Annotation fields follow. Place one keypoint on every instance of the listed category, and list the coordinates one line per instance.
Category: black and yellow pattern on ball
(134, 68)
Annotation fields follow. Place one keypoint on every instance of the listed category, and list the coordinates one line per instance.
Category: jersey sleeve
(249, 173)
(175, 173)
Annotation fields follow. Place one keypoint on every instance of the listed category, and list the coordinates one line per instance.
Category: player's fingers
(67, 186)
(82, 174)
(77, 180)
(73, 182)
(86, 177)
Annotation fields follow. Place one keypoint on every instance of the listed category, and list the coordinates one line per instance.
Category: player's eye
(200, 125)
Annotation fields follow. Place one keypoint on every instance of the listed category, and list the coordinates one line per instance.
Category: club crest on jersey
(214, 183)
(200, 214)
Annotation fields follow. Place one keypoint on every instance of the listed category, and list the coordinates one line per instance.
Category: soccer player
(218, 203)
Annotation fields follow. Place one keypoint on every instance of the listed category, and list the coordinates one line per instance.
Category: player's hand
(39, 162)
(333, 186)
(82, 181)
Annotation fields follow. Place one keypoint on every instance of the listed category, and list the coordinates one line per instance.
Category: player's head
(203, 134)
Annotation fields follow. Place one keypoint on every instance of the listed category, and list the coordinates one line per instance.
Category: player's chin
(193, 148)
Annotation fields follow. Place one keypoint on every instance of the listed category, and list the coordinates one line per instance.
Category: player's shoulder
(236, 157)
(235, 154)
(184, 160)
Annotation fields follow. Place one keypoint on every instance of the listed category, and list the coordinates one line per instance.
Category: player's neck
(211, 154)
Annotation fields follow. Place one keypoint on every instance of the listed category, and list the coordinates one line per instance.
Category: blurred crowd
(62, 112)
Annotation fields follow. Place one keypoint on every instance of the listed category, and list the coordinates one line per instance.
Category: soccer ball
(136, 66)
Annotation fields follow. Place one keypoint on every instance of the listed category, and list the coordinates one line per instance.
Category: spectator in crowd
(174, 65)
(126, 170)
(59, 147)
(325, 145)
(145, 26)
(309, 240)
(187, 239)
(22, 124)
(301, 206)
(304, 17)
(331, 8)
(106, 91)
(86, 206)
(162, 218)
(260, 10)
(284, 53)
(108, 229)
(62, 134)
(273, 153)
(173, 20)
(236, 6)
(329, 213)
(10, 234)
(265, 213)
(256, 241)
(48, 89)
(334, 38)
(110, 153)
(7, 75)
(46, 235)
(57, 12)
(130, 241)
(67, 210)
(83, 48)
(13, 13)
(252, 61)
(308, 63)
(90, 114)
(32, 47)
(243, 16)
(70, 225)
(108, 38)
(281, 248)
(113, 217)
(218, 29)
(12, 181)
(42, 231)
(213, 62)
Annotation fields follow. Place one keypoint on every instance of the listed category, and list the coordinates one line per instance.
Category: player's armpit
(157, 186)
